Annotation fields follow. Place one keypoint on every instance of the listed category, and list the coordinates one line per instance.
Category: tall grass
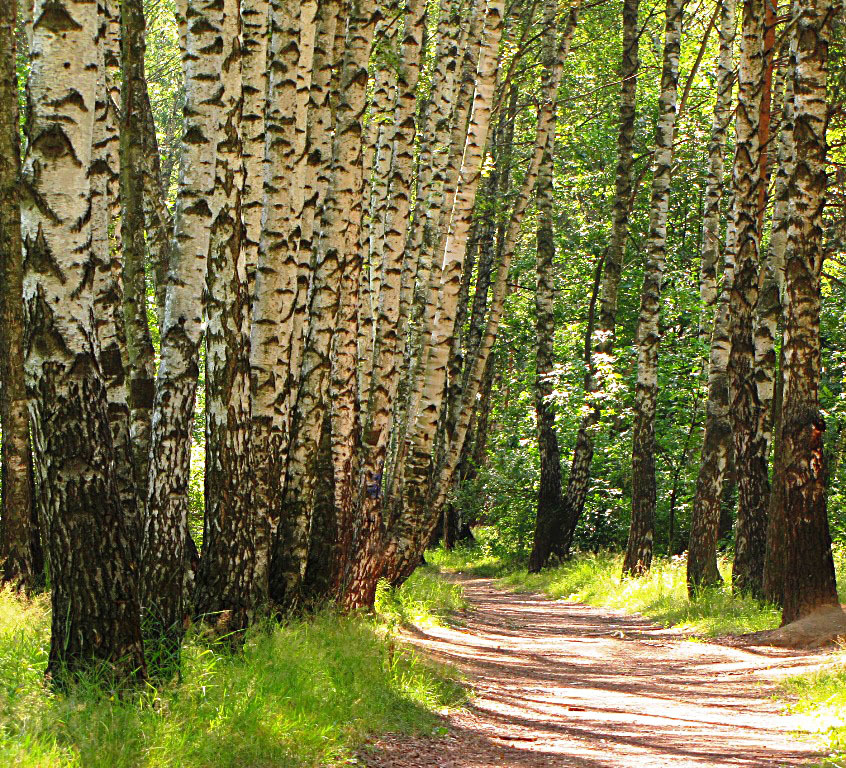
(303, 694)
(661, 595)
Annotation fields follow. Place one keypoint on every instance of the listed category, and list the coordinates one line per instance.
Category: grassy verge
(303, 694)
(595, 579)
(822, 696)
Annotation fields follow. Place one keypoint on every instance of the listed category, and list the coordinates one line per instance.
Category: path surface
(561, 684)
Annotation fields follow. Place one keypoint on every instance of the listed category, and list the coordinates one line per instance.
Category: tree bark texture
(809, 568)
(714, 325)
(95, 608)
(638, 556)
(750, 444)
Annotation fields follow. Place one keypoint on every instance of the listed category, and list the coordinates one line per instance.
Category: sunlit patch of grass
(424, 599)
(306, 693)
(596, 579)
(822, 696)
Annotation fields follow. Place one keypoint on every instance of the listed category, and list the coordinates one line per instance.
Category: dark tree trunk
(16, 512)
(809, 581)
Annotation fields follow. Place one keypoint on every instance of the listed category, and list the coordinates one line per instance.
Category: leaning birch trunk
(809, 581)
(274, 305)
(412, 534)
(638, 556)
(224, 585)
(332, 305)
(750, 445)
(420, 440)
(603, 344)
(139, 345)
(165, 528)
(716, 445)
(94, 595)
(776, 542)
(385, 379)
(17, 503)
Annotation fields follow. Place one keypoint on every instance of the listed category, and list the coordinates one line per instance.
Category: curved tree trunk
(638, 556)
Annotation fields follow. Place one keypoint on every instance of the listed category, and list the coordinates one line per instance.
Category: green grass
(661, 595)
(822, 696)
(304, 694)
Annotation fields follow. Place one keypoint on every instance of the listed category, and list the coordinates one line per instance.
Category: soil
(564, 684)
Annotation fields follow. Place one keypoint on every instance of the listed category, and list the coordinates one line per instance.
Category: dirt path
(561, 684)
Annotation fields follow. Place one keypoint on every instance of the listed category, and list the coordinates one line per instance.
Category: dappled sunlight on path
(561, 684)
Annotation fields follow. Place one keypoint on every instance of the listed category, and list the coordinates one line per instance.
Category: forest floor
(557, 683)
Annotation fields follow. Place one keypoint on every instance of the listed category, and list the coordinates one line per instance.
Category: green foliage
(306, 693)
(822, 696)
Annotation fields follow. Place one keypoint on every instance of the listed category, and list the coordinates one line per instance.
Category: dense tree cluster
(315, 290)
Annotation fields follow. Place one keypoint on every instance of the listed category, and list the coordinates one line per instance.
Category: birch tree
(95, 607)
(750, 445)
(639, 548)
(716, 445)
(165, 523)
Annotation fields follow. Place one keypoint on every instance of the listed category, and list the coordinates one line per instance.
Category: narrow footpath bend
(562, 684)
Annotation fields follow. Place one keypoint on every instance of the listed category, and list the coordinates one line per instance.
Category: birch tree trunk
(139, 345)
(94, 597)
(273, 327)
(330, 347)
(413, 532)
(254, 69)
(366, 540)
(109, 327)
(809, 568)
(224, 585)
(165, 528)
(716, 445)
(638, 556)
(16, 559)
(603, 344)
(750, 443)
(550, 505)
(776, 533)
(420, 441)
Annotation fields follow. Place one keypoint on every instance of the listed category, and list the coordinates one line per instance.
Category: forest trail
(562, 684)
